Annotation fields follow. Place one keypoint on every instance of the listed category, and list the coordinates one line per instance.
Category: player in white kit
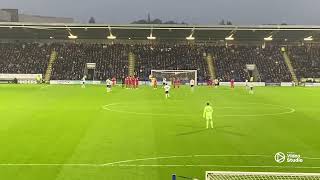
(109, 84)
(164, 81)
(247, 85)
(251, 88)
(192, 84)
(83, 81)
(167, 89)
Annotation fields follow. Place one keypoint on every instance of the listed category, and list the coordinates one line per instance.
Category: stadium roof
(161, 32)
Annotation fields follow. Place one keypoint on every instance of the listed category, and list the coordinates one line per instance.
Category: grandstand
(170, 50)
(52, 130)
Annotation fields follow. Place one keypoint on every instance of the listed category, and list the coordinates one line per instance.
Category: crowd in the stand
(305, 61)
(170, 57)
(231, 63)
(24, 58)
(112, 60)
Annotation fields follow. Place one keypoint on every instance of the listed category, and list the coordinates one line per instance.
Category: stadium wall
(19, 76)
(72, 82)
(239, 84)
(286, 84)
(242, 83)
(312, 84)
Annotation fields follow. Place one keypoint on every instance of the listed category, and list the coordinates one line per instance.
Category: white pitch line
(187, 156)
(106, 107)
(47, 164)
(290, 110)
(216, 165)
(247, 155)
(312, 158)
(121, 163)
(146, 159)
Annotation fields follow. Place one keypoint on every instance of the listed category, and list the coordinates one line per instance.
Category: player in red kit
(133, 82)
(232, 83)
(129, 82)
(176, 83)
(136, 82)
(113, 81)
(209, 82)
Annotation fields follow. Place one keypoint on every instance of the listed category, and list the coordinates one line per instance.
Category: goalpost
(183, 75)
(224, 175)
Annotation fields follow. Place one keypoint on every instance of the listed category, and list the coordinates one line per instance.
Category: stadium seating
(112, 60)
(24, 58)
(231, 63)
(306, 61)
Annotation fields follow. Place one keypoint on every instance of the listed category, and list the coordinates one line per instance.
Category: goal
(222, 175)
(183, 75)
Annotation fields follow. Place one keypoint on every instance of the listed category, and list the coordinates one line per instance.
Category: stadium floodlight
(71, 36)
(310, 38)
(229, 38)
(190, 38)
(111, 37)
(269, 38)
(151, 37)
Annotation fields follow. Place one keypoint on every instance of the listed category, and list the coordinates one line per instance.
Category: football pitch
(50, 132)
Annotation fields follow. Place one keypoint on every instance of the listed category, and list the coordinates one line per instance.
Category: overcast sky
(191, 11)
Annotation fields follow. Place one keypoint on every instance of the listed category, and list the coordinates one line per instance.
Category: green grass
(47, 125)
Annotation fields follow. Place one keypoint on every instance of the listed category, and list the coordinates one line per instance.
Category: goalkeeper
(207, 114)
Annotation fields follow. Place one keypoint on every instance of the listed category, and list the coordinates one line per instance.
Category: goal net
(222, 175)
(183, 75)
